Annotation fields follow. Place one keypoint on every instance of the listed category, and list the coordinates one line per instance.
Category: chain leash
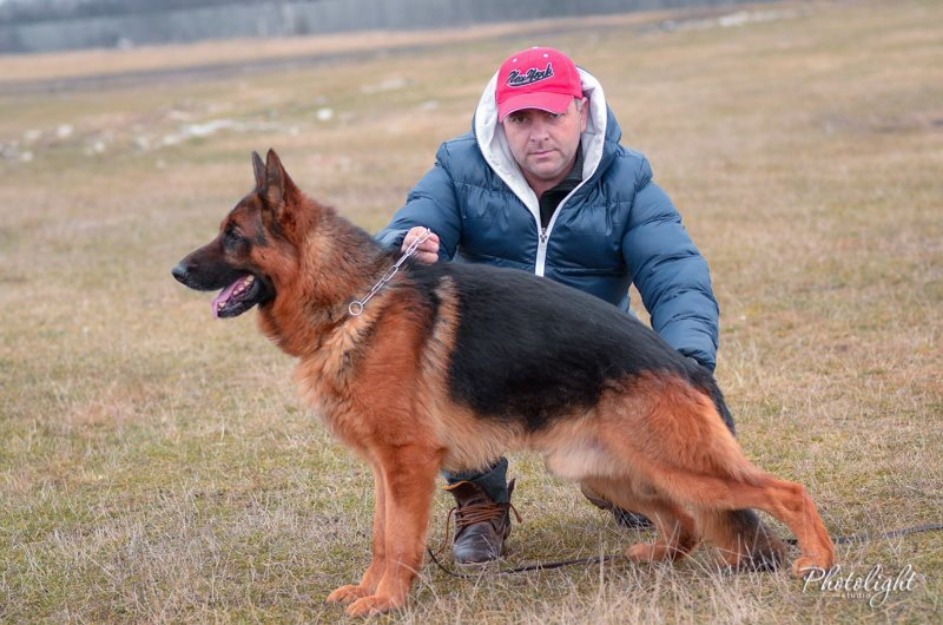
(355, 308)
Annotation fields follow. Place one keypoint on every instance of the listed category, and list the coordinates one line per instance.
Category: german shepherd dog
(451, 365)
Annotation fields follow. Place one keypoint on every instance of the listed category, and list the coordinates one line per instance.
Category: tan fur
(652, 443)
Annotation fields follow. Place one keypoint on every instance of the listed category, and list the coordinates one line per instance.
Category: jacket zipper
(540, 264)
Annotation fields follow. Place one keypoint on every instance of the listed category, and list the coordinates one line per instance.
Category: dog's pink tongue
(223, 297)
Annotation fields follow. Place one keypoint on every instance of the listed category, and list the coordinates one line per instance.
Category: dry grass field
(156, 466)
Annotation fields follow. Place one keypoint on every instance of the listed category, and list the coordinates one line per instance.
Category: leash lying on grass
(603, 559)
(864, 538)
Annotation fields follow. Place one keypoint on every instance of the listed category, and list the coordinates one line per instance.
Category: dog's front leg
(373, 574)
(408, 477)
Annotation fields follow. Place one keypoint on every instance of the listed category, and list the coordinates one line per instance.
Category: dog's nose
(180, 272)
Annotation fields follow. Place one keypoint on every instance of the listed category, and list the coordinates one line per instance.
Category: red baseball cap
(537, 78)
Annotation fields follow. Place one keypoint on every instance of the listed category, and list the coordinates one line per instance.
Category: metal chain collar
(355, 308)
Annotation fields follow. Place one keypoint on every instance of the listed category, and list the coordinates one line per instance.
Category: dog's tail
(704, 380)
(718, 398)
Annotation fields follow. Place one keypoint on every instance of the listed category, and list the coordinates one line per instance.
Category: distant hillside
(46, 25)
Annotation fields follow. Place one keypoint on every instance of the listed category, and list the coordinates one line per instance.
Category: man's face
(544, 144)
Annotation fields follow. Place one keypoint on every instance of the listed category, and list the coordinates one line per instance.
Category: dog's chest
(326, 381)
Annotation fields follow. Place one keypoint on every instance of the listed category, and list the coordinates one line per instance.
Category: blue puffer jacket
(617, 227)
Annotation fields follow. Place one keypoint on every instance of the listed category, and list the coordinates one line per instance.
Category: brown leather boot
(481, 524)
(624, 518)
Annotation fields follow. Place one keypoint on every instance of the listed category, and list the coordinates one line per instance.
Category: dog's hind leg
(680, 445)
(790, 503)
(738, 486)
(409, 475)
(676, 532)
(744, 541)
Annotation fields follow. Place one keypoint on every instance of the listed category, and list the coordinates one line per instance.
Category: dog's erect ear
(258, 168)
(278, 186)
(280, 197)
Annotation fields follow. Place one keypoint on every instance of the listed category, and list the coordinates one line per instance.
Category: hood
(494, 146)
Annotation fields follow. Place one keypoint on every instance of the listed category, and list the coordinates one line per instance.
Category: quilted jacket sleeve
(431, 203)
(670, 273)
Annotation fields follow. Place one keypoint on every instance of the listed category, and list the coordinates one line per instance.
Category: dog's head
(252, 247)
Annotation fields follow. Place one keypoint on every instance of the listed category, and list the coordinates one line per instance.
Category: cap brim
(556, 103)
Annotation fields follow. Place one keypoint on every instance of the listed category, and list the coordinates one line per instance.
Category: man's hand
(428, 250)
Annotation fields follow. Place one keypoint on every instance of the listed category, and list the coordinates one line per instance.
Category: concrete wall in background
(287, 18)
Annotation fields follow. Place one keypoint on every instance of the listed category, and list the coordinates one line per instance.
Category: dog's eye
(232, 237)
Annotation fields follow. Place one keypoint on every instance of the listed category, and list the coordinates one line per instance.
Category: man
(541, 184)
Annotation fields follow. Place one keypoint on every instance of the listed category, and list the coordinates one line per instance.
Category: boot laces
(472, 514)
(475, 513)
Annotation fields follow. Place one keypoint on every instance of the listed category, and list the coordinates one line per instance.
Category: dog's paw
(647, 552)
(347, 594)
(374, 604)
(806, 565)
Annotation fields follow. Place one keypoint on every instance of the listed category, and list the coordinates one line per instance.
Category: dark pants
(493, 481)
